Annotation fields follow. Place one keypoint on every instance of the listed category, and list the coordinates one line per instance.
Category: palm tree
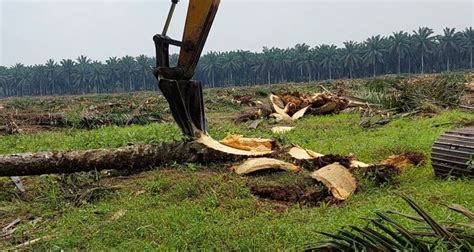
(144, 65)
(299, 52)
(467, 42)
(230, 64)
(400, 45)
(307, 62)
(129, 68)
(210, 65)
(423, 41)
(374, 51)
(328, 55)
(4, 80)
(67, 71)
(351, 56)
(98, 75)
(83, 73)
(245, 59)
(448, 43)
(52, 72)
(40, 77)
(112, 70)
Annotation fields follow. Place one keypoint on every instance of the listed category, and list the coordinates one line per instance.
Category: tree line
(418, 52)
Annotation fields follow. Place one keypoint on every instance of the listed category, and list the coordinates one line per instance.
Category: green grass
(189, 206)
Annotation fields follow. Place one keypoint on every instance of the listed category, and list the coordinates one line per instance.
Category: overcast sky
(32, 31)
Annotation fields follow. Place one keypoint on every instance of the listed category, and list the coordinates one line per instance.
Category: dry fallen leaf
(337, 179)
(258, 164)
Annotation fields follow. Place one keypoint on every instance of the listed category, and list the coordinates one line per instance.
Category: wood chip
(300, 113)
(282, 129)
(282, 118)
(215, 145)
(10, 228)
(119, 214)
(357, 164)
(248, 144)
(258, 164)
(337, 179)
(302, 154)
(326, 108)
(255, 124)
(18, 183)
(32, 242)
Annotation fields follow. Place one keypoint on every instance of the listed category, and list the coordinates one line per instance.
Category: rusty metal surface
(452, 151)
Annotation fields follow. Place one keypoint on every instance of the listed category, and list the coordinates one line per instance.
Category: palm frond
(385, 233)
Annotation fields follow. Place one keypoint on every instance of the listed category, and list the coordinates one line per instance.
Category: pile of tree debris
(91, 117)
(291, 106)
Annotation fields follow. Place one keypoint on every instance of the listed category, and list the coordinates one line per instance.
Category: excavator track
(452, 152)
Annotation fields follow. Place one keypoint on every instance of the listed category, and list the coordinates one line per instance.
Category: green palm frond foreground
(385, 233)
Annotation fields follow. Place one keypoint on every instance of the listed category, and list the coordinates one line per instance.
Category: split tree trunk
(138, 157)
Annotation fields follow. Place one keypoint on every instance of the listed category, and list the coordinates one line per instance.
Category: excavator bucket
(186, 104)
(185, 96)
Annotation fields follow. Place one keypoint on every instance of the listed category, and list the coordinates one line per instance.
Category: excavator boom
(200, 17)
(183, 94)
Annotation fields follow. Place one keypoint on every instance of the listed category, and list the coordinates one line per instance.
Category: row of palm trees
(419, 52)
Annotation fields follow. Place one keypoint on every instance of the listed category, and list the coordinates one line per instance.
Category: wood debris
(248, 144)
(119, 214)
(299, 153)
(255, 124)
(337, 179)
(245, 147)
(27, 244)
(258, 164)
(403, 161)
(282, 129)
(10, 228)
(355, 164)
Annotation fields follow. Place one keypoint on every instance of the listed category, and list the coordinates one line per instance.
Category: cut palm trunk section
(337, 179)
(259, 164)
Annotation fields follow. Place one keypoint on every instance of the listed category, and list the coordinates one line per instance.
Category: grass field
(189, 206)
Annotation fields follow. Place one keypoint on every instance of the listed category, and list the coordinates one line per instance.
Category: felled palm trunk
(138, 157)
(127, 158)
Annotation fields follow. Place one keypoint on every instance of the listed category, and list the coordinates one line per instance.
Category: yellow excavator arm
(184, 95)
(201, 14)
(199, 19)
